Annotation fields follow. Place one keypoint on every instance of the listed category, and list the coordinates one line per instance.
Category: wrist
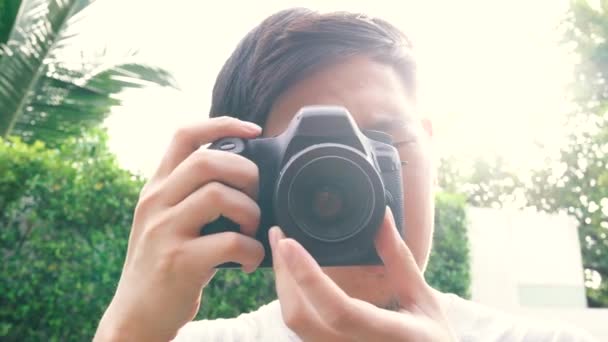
(108, 333)
(122, 333)
(115, 328)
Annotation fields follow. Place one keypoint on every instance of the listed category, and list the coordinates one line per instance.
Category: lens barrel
(330, 194)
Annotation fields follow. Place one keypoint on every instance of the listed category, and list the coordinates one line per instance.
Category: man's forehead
(371, 91)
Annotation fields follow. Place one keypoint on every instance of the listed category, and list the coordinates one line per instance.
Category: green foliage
(8, 12)
(65, 218)
(449, 267)
(485, 182)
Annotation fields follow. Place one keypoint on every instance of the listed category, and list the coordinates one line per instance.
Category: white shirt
(469, 321)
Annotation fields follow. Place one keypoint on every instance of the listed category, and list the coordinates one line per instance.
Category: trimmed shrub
(64, 222)
(449, 268)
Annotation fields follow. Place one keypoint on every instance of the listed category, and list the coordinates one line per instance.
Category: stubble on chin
(392, 304)
(367, 283)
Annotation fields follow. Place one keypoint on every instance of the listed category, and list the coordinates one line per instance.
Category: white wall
(530, 263)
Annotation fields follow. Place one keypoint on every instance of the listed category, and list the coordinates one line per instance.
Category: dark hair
(292, 44)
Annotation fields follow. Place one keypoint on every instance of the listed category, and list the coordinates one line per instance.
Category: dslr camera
(325, 182)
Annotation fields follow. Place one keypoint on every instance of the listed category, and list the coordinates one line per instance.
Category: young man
(295, 58)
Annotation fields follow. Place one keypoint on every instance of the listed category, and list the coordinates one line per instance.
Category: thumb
(401, 266)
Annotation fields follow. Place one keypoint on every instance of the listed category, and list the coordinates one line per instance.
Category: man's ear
(427, 124)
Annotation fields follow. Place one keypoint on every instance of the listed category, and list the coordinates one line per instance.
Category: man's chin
(377, 270)
(368, 283)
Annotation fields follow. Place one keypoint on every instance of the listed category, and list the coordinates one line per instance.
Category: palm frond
(42, 98)
(67, 102)
(37, 29)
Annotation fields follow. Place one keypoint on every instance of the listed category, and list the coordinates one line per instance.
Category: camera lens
(329, 198)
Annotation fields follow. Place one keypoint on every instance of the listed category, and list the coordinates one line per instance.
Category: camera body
(325, 183)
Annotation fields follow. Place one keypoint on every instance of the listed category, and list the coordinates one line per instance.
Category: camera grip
(393, 185)
(223, 224)
(220, 225)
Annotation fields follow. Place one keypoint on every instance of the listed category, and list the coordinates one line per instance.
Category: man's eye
(402, 135)
(400, 130)
(403, 142)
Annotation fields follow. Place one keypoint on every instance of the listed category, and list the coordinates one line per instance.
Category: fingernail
(390, 215)
(286, 252)
(273, 236)
(252, 126)
(248, 268)
(280, 233)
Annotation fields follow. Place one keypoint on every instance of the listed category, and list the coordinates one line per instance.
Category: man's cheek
(418, 206)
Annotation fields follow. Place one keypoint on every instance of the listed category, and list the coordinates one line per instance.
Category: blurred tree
(578, 183)
(42, 97)
(486, 181)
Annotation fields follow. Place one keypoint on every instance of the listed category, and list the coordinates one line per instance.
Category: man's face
(374, 95)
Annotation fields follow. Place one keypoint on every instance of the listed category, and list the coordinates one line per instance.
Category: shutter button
(227, 146)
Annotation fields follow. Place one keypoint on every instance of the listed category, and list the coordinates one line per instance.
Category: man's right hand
(168, 263)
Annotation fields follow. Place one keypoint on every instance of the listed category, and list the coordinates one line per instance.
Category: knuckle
(234, 242)
(252, 170)
(226, 120)
(172, 258)
(203, 160)
(214, 193)
(306, 279)
(157, 226)
(295, 319)
(181, 134)
(246, 167)
(257, 214)
(251, 175)
(340, 318)
(149, 197)
(145, 188)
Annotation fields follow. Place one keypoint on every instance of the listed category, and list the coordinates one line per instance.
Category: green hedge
(449, 268)
(64, 222)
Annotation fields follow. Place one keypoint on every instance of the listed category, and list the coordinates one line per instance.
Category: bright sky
(492, 73)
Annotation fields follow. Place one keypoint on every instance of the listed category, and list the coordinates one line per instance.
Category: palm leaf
(8, 13)
(41, 98)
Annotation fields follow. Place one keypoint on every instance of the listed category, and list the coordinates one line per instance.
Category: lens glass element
(330, 198)
(328, 203)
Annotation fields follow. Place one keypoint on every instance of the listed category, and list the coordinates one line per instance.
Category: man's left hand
(316, 309)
